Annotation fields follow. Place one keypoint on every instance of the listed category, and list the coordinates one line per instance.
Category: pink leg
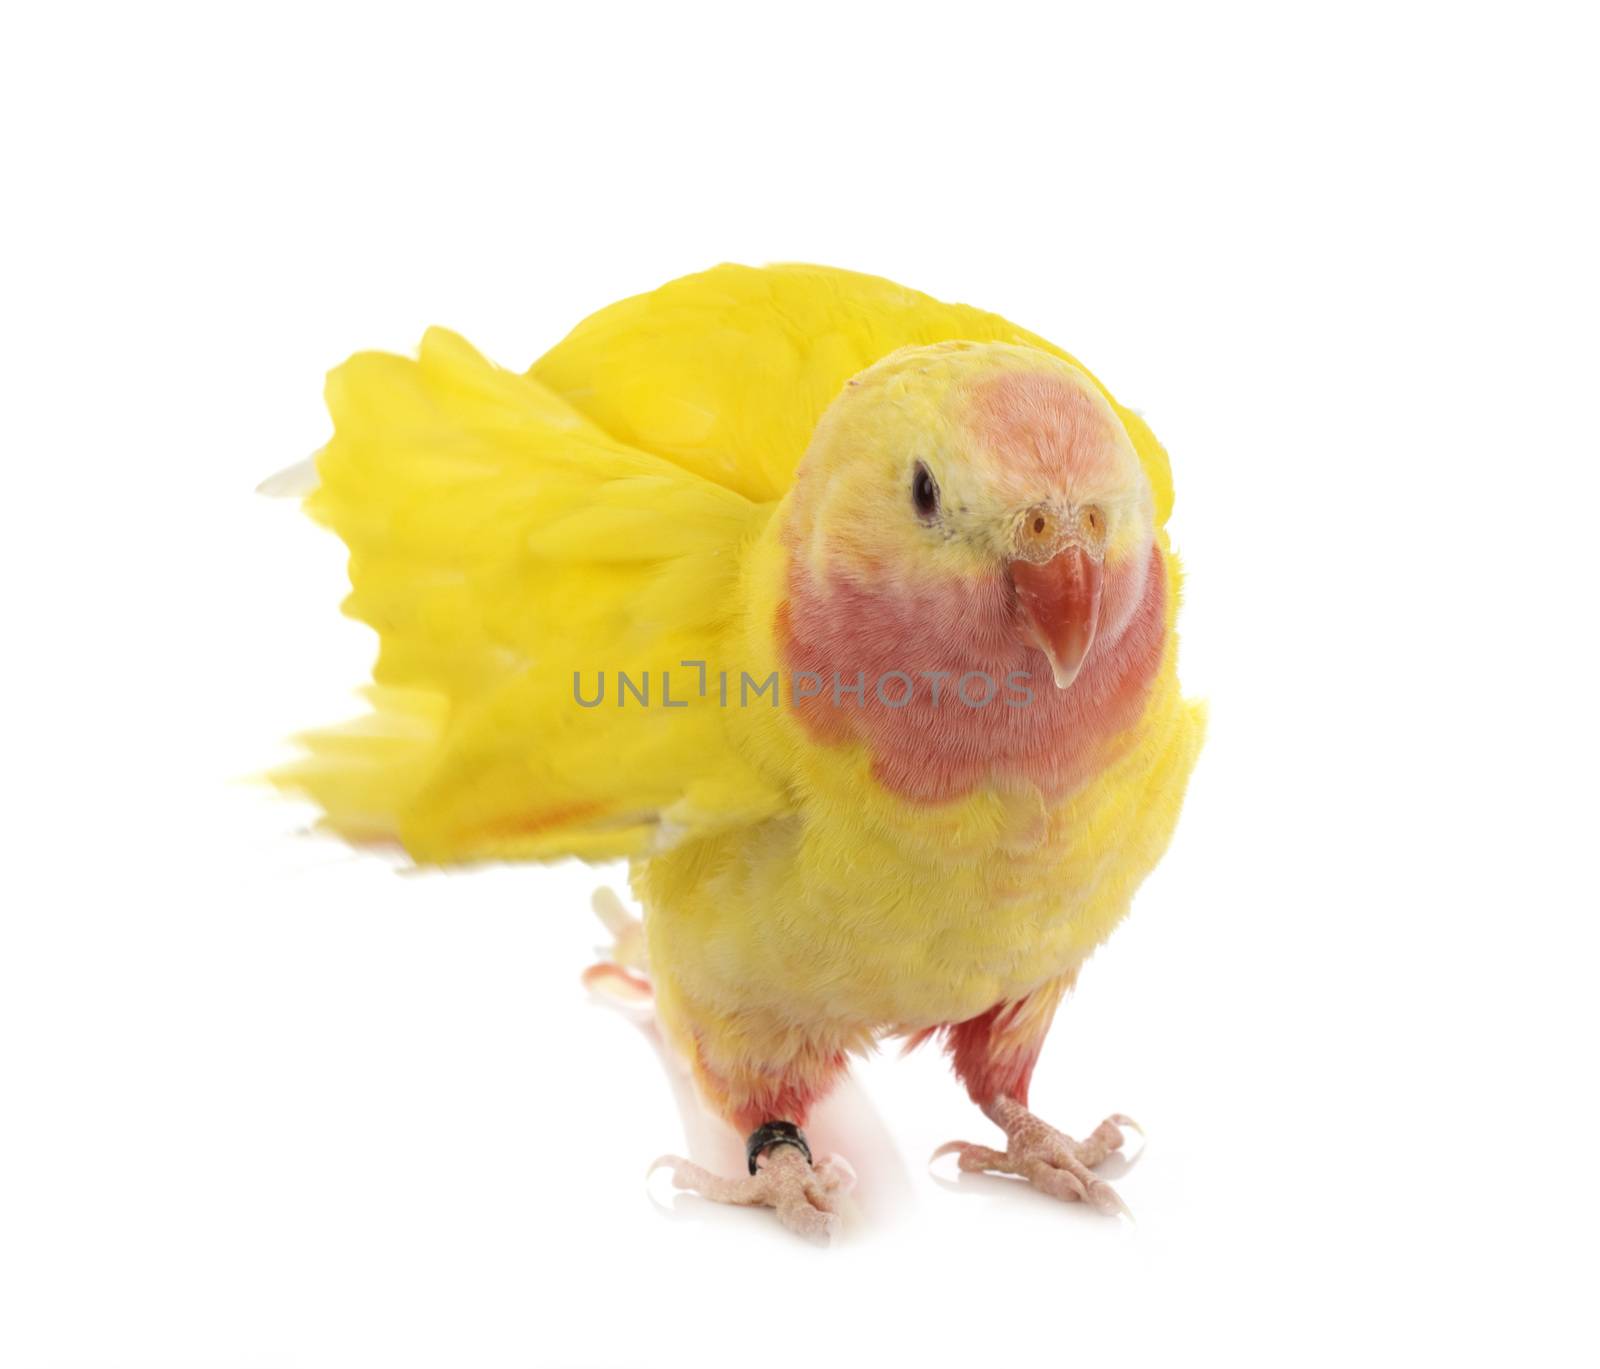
(994, 1053)
(805, 1196)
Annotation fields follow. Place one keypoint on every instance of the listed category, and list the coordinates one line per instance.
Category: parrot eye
(924, 493)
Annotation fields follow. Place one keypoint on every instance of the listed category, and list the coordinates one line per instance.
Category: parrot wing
(514, 558)
(726, 372)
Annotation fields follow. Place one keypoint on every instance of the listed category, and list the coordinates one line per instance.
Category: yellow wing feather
(500, 542)
(726, 372)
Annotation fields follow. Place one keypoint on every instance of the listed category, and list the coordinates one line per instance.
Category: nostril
(1036, 530)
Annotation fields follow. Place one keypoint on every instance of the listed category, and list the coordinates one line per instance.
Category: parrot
(844, 616)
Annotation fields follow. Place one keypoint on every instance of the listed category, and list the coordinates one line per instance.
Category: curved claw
(836, 1174)
(1106, 1199)
(671, 1162)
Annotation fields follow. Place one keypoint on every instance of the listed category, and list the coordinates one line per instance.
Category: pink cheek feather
(931, 752)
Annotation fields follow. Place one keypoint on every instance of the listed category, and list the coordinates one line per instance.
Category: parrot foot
(620, 977)
(1048, 1159)
(627, 932)
(805, 1196)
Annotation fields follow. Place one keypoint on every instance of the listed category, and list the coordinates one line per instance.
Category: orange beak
(1059, 600)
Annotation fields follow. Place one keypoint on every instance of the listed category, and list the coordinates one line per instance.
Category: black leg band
(770, 1134)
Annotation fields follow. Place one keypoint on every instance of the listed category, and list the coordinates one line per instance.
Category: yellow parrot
(844, 615)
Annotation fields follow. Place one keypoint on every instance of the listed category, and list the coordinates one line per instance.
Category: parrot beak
(1059, 600)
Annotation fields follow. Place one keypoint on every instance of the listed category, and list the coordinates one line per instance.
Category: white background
(264, 1102)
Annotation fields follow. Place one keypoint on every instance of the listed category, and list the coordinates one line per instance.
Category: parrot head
(987, 489)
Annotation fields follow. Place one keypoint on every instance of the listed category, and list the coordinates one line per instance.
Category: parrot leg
(994, 1055)
(805, 1195)
(753, 1070)
(1048, 1159)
